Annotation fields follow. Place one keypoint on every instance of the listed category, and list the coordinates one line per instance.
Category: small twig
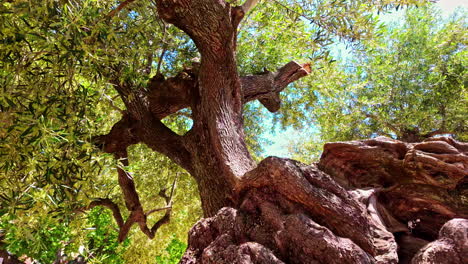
(297, 13)
(120, 7)
(168, 199)
(173, 188)
(158, 209)
(164, 49)
(111, 101)
(106, 202)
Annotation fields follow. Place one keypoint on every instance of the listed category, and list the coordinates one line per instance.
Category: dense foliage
(42, 238)
(408, 83)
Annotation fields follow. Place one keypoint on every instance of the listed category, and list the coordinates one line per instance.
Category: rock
(384, 162)
(450, 248)
(408, 246)
(362, 164)
(427, 207)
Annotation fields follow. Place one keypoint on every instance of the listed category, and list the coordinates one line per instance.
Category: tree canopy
(64, 65)
(408, 83)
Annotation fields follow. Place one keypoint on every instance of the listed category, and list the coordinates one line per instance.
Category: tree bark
(214, 150)
(281, 210)
(370, 201)
(216, 141)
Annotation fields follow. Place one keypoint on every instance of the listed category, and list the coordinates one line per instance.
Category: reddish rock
(384, 162)
(450, 248)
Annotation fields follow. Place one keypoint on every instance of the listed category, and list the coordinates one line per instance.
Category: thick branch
(203, 20)
(133, 204)
(248, 5)
(132, 201)
(169, 96)
(163, 140)
(141, 123)
(112, 206)
(266, 87)
(121, 136)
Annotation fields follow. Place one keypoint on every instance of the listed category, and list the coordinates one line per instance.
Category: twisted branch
(133, 204)
(120, 7)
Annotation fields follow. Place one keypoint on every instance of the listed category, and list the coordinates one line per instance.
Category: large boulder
(450, 248)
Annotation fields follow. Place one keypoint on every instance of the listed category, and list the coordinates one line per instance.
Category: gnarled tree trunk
(281, 210)
(214, 150)
(382, 201)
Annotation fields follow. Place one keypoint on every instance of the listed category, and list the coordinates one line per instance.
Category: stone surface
(384, 162)
(450, 248)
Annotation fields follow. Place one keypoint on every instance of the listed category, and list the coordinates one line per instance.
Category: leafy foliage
(102, 245)
(412, 80)
(42, 238)
(58, 59)
(174, 252)
(408, 83)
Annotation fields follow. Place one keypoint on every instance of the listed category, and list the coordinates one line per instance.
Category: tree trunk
(382, 201)
(216, 142)
(220, 155)
(411, 136)
(347, 209)
(214, 151)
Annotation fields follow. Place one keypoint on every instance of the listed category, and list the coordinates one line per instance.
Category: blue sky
(280, 138)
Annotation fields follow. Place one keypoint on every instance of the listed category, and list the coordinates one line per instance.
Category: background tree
(408, 83)
(72, 70)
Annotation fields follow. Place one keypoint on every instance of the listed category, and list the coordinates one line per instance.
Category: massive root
(388, 208)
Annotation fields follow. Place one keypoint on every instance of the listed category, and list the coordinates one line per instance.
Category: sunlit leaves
(59, 58)
(411, 80)
(173, 253)
(42, 238)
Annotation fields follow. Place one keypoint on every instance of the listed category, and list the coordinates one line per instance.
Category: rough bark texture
(379, 203)
(420, 183)
(214, 151)
(450, 248)
(374, 201)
